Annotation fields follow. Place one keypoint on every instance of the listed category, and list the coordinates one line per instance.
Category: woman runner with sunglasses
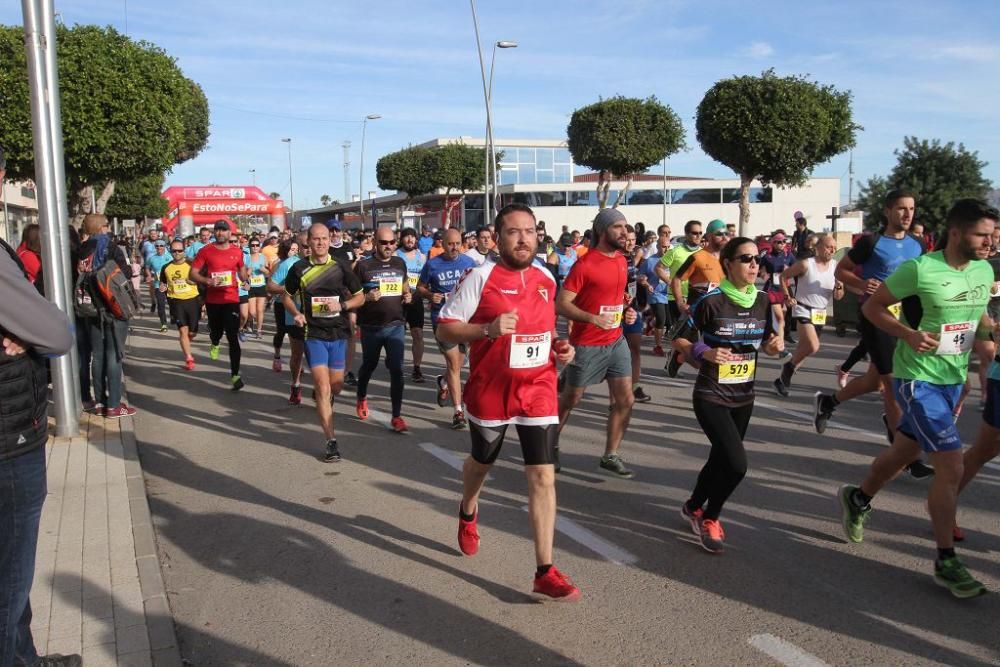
(257, 264)
(734, 323)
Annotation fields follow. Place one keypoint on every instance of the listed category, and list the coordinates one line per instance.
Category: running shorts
(444, 347)
(185, 313)
(414, 313)
(538, 442)
(258, 292)
(991, 413)
(776, 298)
(593, 364)
(659, 315)
(928, 413)
(881, 345)
(634, 328)
(244, 298)
(329, 353)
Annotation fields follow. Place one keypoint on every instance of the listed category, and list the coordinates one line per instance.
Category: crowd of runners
(537, 320)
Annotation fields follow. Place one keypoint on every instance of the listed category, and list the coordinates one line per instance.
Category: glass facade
(522, 165)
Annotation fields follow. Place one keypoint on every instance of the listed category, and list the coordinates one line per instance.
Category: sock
(463, 516)
(542, 570)
(946, 553)
(860, 499)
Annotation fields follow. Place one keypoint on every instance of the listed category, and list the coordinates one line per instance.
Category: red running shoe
(189, 363)
(658, 351)
(957, 534)
(712, 536)
(276, 365)
(555, 586)
(468, 534)
(399, 425)
(295, 397)
(694, 518)
(362, 409)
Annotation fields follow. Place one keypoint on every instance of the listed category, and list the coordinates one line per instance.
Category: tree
(324, 200)
(127, 111)
(138, 198)
(937, 174)
(773, 129)
(274, 195)
(623, 136)
(408, 170)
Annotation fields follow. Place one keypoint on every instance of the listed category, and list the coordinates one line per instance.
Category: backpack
(104, 290)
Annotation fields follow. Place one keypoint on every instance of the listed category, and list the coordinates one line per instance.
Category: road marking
(380, 418)
(450, 458)
(600, 546)
(809, 419)
(784, 652)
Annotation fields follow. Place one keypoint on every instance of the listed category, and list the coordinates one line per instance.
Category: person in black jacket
(31, 329)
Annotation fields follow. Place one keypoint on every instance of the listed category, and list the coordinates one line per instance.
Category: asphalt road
(272, 557)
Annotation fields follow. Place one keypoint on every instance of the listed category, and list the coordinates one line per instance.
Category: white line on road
(380, 418)
(784, 652)
(450, 458)
(809, 419)
(592, 541)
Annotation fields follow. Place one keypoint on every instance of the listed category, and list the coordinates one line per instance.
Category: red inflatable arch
(192, 207)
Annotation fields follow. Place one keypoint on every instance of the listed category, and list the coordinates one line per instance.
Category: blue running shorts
(928, 413)
(329, 353)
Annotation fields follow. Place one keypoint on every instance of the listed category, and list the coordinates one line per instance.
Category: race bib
(957, 338)
(325, 306)
(896, 309)
(615, 311)
(413, 280)
(530, 350)
(817, 317)
(741, 369)
(391, 287)
(257, 281)
(222, 278)
(181, 286)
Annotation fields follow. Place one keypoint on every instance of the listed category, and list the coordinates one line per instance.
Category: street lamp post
(491, 149)
(291, 187)
(253, 174)
(361, 174)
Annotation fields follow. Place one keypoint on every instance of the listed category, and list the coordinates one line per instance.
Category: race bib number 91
(529, 350)
(741, 369)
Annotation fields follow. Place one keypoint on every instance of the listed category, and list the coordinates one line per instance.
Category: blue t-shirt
(424, 243)
(774, 265)
(155, 264)
(255, 268)
(658, 287)
(148, 249)
(414, 265)
(192, 250)
(878, 255)
(279, 275)
(441, 275)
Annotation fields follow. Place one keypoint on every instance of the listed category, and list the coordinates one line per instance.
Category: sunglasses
(254, 245)
(746, 259)
(721, 234)
(177, 250)
(391, 242)
(694, 233)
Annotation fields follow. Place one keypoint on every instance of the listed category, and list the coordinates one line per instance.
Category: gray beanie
(605, 218)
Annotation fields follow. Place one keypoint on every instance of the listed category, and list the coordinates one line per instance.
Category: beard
(615, 243)
(510, 258)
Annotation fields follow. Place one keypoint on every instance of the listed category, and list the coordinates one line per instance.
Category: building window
(696, 196)
(645, 197)
(27, 192)
(562, 173)
(474, 202)
(543, 158)
(508, 175)
(526, 172)
(757, 195)
(534, 199)
(589, 198)
(544, 176)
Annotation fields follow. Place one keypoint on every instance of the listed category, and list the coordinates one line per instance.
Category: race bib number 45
(741, 369)
(956, 338)
(325, 306)
(530, 350)
(615, 312)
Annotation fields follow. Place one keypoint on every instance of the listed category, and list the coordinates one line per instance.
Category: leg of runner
(620, 389)
(808, 345)
(659, 324)
(983, 450)
(257, 305)
(231, 324)
(295, 355)
(279, 335)
(542, 509)
(185, 340)
(417, 349)
(454, 358)
(350, 378)
(395, 345)
(635, 349)
(857, 353)
(216, 328)
(244, 314)
(161, 308)
(371, 351)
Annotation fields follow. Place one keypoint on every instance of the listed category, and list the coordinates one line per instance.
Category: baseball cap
(334, 224)
(220, 224)
(715, 226)
(438, 236)
(566, 239)
(272, 235)
(160, 243)
(778, 237)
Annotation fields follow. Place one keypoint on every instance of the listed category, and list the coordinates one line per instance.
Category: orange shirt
(434, 252)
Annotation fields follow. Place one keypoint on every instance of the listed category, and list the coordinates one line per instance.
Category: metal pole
(291, 184)
(39, 38)
(486, 94)
(665, 191)
(361, 172)
(491, 175)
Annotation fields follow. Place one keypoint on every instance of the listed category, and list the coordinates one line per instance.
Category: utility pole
(347, 170)
(850, 181)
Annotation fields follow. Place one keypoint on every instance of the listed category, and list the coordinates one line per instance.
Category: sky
(310, 70)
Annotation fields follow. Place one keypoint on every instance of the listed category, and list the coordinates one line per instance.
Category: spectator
(30, 252)
(801, 233)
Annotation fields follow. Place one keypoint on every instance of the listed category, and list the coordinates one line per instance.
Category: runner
(670, 262)
(258, 270)
(944, 296)
(219, 267)
(437, 279)
(345, 252)
(592, 299)
(414, 310)
(734, 322)
(153, 265)
(815, 287)
(182, 295)
(481, 251)
(204, 238)
(877, 255)
(772, 265)
(633, 331)
(288, 254)
(657, 290)
(326, 289)
(563, 258)
(384, 280)
(504, 310)
(147, 249)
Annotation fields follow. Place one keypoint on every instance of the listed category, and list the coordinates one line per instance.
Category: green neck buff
(741, 297)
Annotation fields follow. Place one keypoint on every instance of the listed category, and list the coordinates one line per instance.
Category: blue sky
(310, 70)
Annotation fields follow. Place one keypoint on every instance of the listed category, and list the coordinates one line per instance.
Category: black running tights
(727, 461)
(279, 323)
(224, 318)
(856, 355)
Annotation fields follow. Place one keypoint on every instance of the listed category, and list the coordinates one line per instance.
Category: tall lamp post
(291, 188)
(491, 149)
(253, 174)
(361, 174)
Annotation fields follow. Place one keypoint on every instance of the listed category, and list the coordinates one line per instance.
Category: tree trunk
(79, 203)
(624, 191)
(745, 204)
(602, 188)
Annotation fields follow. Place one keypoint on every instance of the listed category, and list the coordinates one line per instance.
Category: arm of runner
(876, 309)
(662, 272)
(569, 310)
(985, 329)
(789, 274)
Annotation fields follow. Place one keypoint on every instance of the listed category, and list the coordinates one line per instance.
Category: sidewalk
(98, 589)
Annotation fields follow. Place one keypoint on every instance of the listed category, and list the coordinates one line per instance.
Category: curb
(163, 643)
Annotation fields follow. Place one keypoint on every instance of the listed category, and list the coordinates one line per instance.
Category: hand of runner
(13, 346)
(373, 295)
(605, 321)
(163, 287)
(630, 316)
(407, 296)
(871, 285)
(564, 351)
(504, 324)
(436, 297)
(718, 355)
(922, 341)
(300, 320)
(790, 301)
(774, 345)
